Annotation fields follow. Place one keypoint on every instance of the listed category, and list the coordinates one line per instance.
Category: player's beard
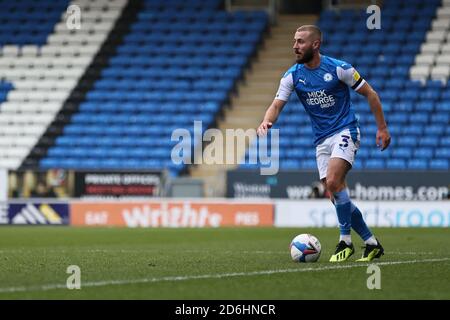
(307, 56)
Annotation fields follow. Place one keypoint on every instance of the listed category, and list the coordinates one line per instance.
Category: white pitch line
(411, 253)
(212, 276)
(190, 251)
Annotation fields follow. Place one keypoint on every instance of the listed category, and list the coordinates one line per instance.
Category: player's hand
(383, 138)
(264, 128)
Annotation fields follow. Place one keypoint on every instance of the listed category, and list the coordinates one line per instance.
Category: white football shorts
(343, 144)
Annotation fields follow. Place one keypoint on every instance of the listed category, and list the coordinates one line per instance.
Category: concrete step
(241, 109)
(274, 63)
(281, 35)
(269, 88)
(255, 105)
(246, 113)
(203, 172)
(287, 58)
(267, 74)
(281, 54)
(259, 94)
(236, 122)
(239, 123)
(245, 108)
(253, 99)
(281, 49)
(281, 43)
(265, 85)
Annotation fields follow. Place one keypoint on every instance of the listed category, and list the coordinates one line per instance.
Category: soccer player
(322, 85)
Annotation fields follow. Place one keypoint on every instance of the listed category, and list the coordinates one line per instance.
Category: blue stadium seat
(435, 130)
(357, 165)
(426, 153)
(308, 164)
(375, 164)
(440, 118)
(289, 164)
(439, 164)
(445, 141)
(443, 152)
(362, 153)
(126, 110)
(426, 106)
(296, 153)
(430, 141)
(405, 153)
(134, 105)
(418, 118)
(418, 164)
(412, 129)
(396, 164)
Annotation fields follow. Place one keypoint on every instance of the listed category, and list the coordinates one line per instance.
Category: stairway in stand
(255, 94)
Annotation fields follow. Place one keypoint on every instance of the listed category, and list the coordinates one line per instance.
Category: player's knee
(334, 185)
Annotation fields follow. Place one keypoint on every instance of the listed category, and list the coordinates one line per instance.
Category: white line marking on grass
(287, 252)
(152, 250)
(238, 252)
(212, 276)
(411, 252)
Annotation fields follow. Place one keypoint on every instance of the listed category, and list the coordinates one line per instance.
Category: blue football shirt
(324, 93)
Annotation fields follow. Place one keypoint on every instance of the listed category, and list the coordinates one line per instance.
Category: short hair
(314, 30)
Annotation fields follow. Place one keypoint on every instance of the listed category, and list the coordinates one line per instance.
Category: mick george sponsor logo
(321, 98)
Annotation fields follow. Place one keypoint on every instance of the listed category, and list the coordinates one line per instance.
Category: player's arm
(271, 116)
(274, 110)
(383, 138)
(351, 77)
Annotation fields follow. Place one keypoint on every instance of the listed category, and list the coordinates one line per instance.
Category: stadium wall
(363, 185)
(178, 213)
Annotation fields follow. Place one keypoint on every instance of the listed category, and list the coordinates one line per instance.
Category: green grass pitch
(226, 263)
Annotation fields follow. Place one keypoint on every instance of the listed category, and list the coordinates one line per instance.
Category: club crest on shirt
(327, 77)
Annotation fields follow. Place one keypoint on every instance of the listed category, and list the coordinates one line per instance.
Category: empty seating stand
(42, 60)
(178, 63)
(416, 108)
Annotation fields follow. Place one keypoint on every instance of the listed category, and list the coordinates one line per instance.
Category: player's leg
(344, 249)
(335, 184)
(357, 221)
(323, 155)
(345, 146)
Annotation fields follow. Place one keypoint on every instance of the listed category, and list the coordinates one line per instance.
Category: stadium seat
(44, 63)
(439, 164)
(374, 164)
(418, 164)
(134, 105)
(415, 105)
(134, 102)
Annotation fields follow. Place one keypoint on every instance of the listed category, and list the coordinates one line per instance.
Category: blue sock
(358, 223)
(343, 209)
